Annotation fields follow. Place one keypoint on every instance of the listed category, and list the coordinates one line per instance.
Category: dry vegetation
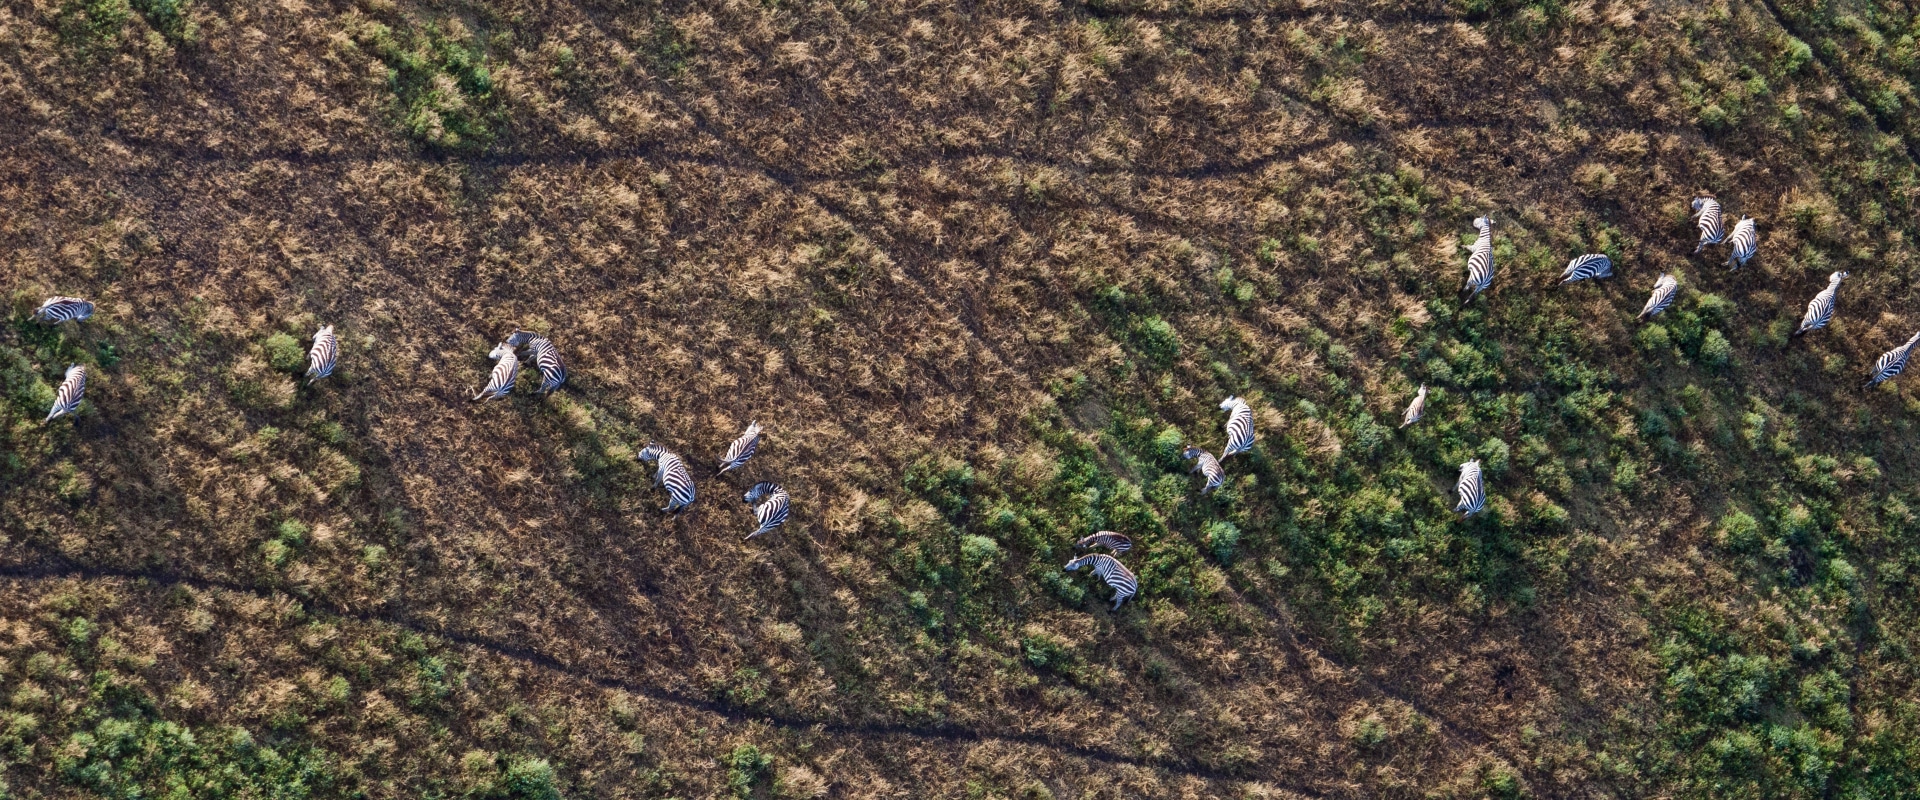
(981, 268)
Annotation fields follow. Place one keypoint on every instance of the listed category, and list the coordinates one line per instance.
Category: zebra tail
(1797, 333)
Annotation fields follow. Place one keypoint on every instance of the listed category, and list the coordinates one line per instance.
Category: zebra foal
(1109, 569)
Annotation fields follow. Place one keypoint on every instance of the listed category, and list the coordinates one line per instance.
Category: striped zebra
(320, 359)
(67, 398)
(1117, 542)
(1664, 290)
(772, 513)
(504, 371)
(1892, 363)
(1707, 211)
(1109, 569)
(1746, 240)
(60, 309)
(1208, 466)
(1416, 408)
(545, 357)
(1239, 426)
(1473, 490)
(1820, 310)
(1589, 266)
(672, 473)
(742, 448)
(1480, 260)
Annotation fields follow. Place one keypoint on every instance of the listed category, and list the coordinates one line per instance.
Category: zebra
(742, 448)
(60, 309)
(1591, 265)
(1664, 291)
(501, 381)
(672, 473)
(1820, 310)
(1891, 363)
(320, 359)
(1109, 569)
(1707, 210)
(67, 398)
(1746, 240)
(1473, 490)
(1117, 542)
(1416, 408)
(772, 513)
(1239, 426)
(1208, 466)
(1480, 260)
(546, 358)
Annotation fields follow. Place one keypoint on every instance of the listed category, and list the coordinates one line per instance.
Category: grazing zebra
(1480, 260)
(501, 381)
(1117, 542)
(672, 473)
(546, 358)
(1473, 491)
(320, 359)
(1109, 569)
(60, 309)
(1208, 466)
(1239, 426)
(1707, 210)
(742, 448)
(1892, 363)
(67, 397)
(1591, 265)
(1745, 241)
(1820, 311)
(1415, 408)
(1664, 291)
(772, 513)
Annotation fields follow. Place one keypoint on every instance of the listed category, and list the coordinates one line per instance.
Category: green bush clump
(1715, 351)
(441, 83)
(1222, 537)
(284, 353)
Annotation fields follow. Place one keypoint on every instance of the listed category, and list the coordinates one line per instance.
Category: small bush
(1222, 538)
(1715, 351)
(284, 353)
(1654, 339)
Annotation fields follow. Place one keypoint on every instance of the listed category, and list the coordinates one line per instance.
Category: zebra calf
(1891, 363)
(1664, 290)
(1480, 260)
(67, 398)
(60, 309)
(500, 382)
(741, 449)
(1746, 240)
(320, 359)
(1207, 466)
(1117, 542)
(772, 513)
(1415, 409)
(1587, 267)
(1707, 211)
(546, 358)
(1472, 489)
(1239, 426)
(1109, 569)
(1820, 310)
(672, 473)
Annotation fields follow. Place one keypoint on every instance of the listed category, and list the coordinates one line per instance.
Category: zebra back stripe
(1239, 426)
(772, 513)
(60, 309)
(1473, 491)
(1591, 265)
(1117, 542)
(672, 473)
(1415, 409)
(1109, 569)
(67, 397)
(1892, 363)
(500, 382)
(1207, 466)
(1480, 259)
(320, 359)
(1707, 210)
(742, 448)
(1820, 309)
(1746, 240)
(1664, 290)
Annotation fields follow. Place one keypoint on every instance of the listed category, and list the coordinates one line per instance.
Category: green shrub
(1157, 340)
(1715, 351)
(284, 353)
(746, 766)
(1222, 537)
(1654, 339)
(1740, 532)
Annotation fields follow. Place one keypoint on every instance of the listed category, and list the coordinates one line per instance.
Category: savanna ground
(980, 268)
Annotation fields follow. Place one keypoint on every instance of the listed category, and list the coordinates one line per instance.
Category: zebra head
(500, 351)
(1422, 394)
(652, 452)
(1231, 401)
(1483, 224)
(1836, 278)
(1699, 203)
(1192, 452)
(1076, 564)
(760, 490)
(519, 338)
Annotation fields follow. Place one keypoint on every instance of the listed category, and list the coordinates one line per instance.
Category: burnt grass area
(981, 270)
